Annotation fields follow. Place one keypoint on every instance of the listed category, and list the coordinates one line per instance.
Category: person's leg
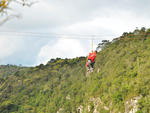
(89, 65)
(92, 66)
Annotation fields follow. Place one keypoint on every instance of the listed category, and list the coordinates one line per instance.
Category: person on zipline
(91, 61)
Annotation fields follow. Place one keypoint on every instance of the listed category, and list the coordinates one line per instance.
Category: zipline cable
(54, 35)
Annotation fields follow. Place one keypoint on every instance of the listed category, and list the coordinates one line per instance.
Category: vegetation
(122, 72)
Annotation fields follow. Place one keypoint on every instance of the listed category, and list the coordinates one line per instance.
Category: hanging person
(91, 61)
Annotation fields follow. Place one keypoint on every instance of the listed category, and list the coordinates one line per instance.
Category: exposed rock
(60, 110)
(131, 106)
(68, 97)
(80, 109)
(89, 108)
(106, 108)
(98, 70)
(98, 103)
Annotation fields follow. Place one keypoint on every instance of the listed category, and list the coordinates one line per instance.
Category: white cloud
(109, 26)
(8, 46)
(64, 48)
(104, 17)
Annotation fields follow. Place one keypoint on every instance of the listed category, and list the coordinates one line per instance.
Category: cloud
(109, 18)
(53, 15)
(64, 48)
(109, 26)
(8, 46)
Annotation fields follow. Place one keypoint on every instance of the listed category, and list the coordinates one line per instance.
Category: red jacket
(92, 56)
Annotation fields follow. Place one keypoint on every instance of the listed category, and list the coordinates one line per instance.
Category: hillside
(7, 70)
(120, 82)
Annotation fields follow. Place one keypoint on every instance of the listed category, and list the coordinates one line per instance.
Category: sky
(106, 18)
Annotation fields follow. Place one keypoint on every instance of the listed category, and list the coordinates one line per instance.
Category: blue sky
(109, 18)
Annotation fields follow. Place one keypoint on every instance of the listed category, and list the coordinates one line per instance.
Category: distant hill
(120, 82)
(7, 70)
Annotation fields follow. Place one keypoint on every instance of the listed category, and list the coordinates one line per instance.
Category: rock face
(80, 109)
(68, 97)
(60, 110)
(96, 102)
(131, 106)
(93, 106)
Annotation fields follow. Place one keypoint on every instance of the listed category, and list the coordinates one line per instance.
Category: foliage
(121, 73)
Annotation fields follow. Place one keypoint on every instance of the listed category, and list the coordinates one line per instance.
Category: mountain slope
(120, 82)
(7, 70)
